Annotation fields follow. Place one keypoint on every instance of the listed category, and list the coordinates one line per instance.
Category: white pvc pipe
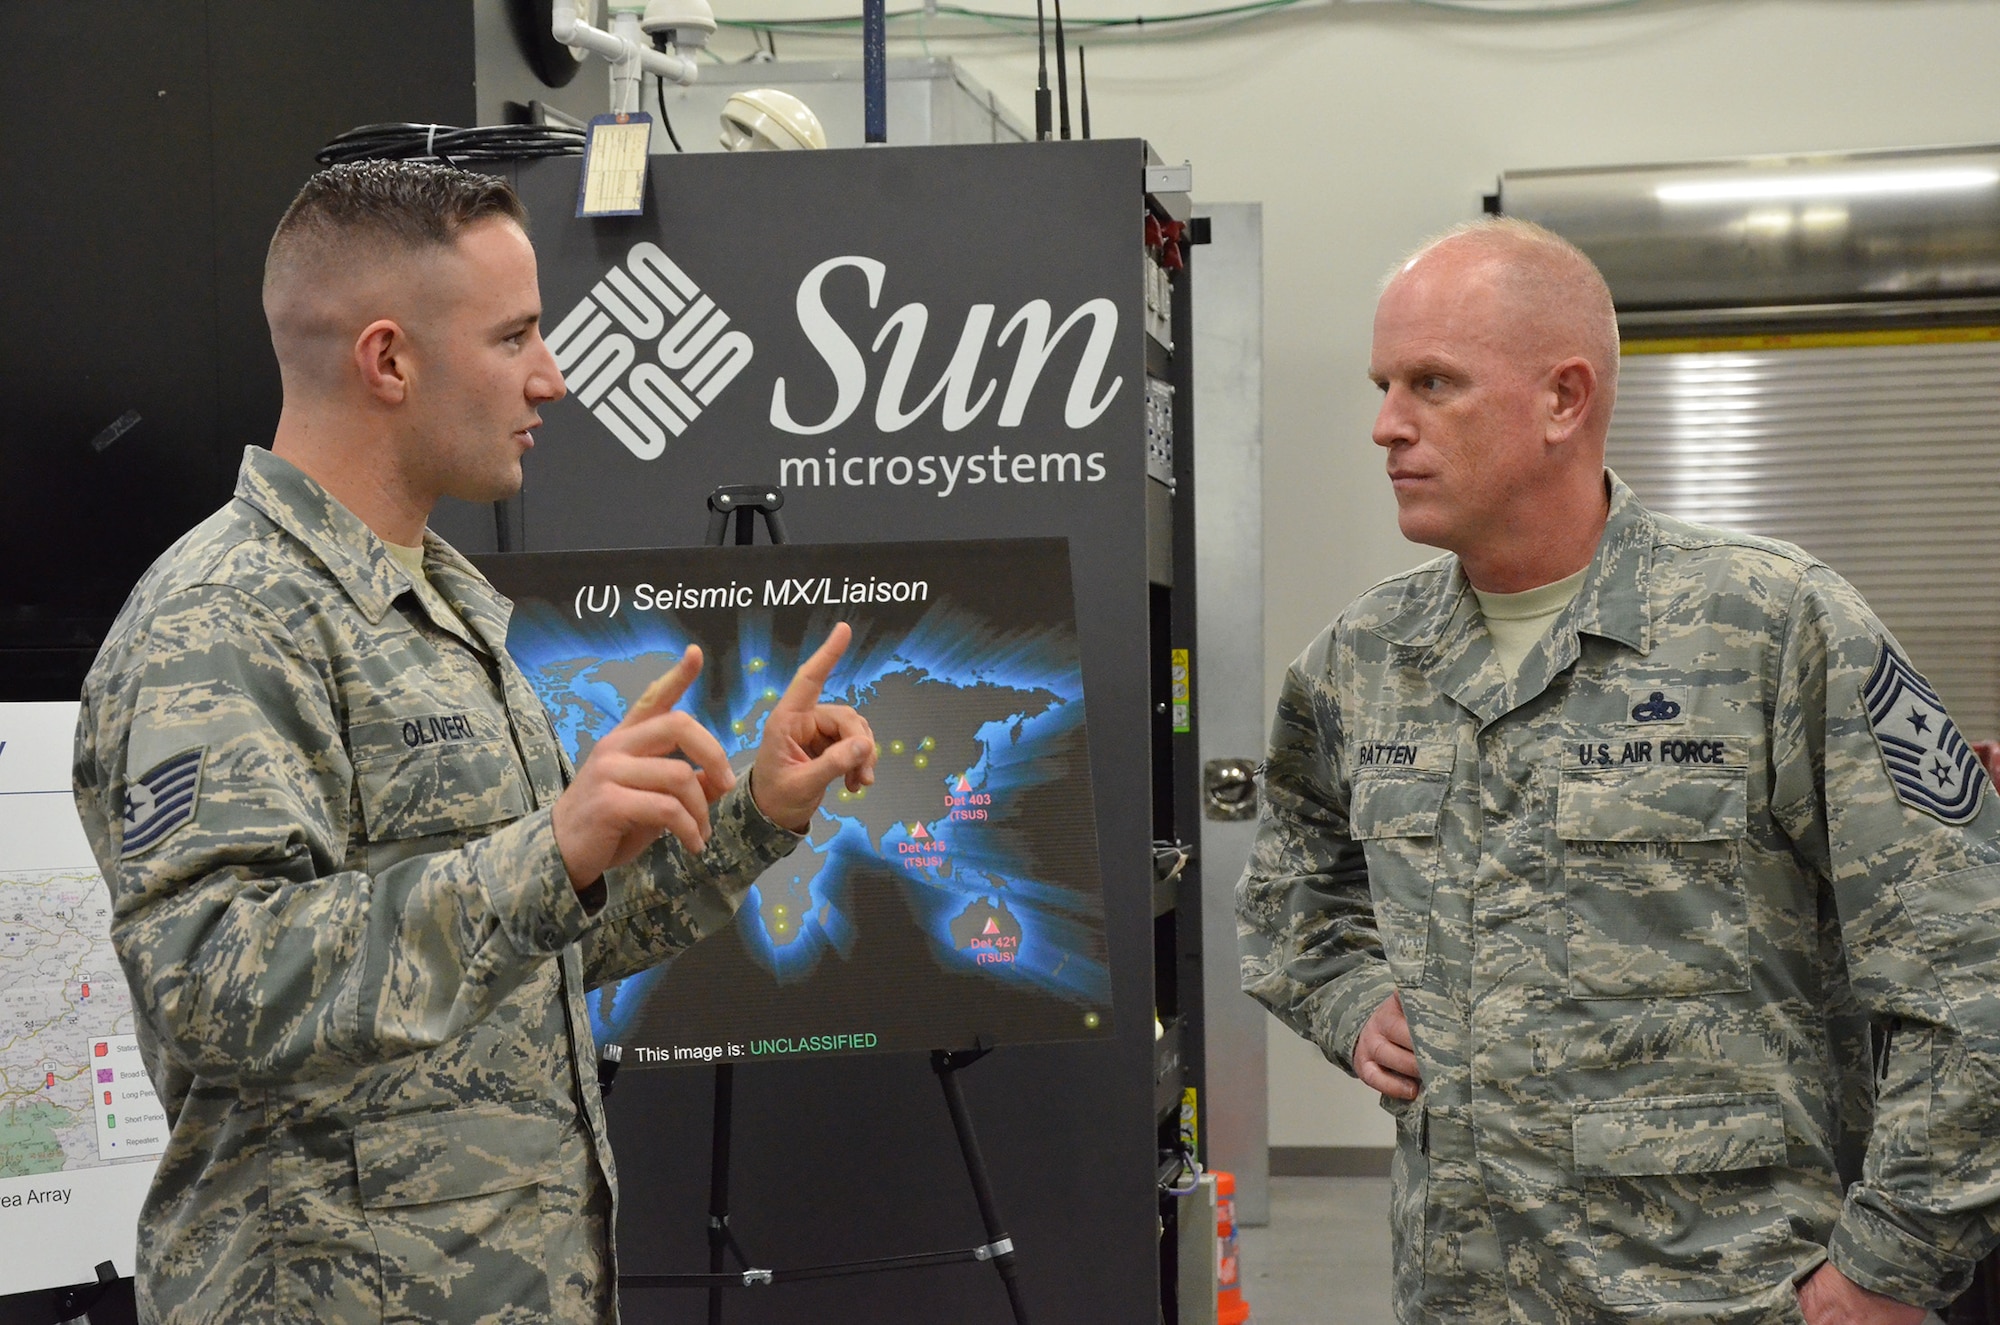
(670, 65)
(625, 75)
(571, 30)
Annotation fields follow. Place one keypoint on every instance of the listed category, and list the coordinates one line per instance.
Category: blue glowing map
(954, 902)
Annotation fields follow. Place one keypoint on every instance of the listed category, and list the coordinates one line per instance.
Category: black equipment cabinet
(897, 315)
(1180, 1063)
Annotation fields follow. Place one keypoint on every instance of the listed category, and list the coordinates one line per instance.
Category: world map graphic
(973, 824)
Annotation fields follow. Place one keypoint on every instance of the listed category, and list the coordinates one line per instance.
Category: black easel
(745, 502)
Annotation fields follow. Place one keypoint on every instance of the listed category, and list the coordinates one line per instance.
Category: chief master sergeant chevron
(1631, 862)
(357, 891)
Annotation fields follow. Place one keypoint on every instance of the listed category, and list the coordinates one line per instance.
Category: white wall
(1363, 127)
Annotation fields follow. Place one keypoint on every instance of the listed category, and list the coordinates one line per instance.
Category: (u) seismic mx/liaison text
(813, 591)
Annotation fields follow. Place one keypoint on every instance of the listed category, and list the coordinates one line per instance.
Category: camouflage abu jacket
(358, 959)
(1697, 906)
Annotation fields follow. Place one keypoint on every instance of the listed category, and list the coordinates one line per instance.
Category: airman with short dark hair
(358, 891)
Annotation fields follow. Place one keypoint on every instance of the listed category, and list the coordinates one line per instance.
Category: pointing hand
(807, 744)
(628, 792)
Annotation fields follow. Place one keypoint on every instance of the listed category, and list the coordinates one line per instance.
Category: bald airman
(1665, 932)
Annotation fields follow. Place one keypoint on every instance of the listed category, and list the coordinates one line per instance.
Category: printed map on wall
(80, 1127)
(956, 901)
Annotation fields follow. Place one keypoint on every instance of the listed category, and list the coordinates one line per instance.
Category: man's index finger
(809, 682)
(666, 692)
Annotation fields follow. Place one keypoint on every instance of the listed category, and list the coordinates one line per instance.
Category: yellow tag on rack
(613, 181)
(1183, 703)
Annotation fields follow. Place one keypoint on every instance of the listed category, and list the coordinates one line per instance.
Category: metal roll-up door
(1878, 452)
(1813, 354)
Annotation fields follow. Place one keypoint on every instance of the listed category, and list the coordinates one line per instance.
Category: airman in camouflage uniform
(326, 803)
(1694, 919)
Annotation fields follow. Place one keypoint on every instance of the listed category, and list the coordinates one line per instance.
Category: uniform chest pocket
(423, 791)
(1650, 878)
(1397, 815)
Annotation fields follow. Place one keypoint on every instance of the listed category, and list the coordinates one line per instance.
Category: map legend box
(130, 1122)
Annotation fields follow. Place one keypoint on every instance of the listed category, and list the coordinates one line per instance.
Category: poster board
(954, 903)
(80, 1128)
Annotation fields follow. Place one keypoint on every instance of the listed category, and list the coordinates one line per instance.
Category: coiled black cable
(453, 146)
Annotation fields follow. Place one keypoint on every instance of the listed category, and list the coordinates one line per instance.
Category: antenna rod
(1062, 72)
(1041, 75)
(874, 71)
(1083, 91)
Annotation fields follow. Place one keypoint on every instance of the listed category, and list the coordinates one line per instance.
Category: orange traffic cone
(1230, 1308)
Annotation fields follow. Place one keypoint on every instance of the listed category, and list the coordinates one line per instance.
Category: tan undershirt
(411, 559)
(1517, 621)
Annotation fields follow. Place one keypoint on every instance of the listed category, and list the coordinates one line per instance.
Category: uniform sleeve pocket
(1957, 919)
(472, 1151)
(1683, 1134)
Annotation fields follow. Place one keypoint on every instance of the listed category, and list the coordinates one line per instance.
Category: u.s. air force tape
(161, 800)
(1929, 763)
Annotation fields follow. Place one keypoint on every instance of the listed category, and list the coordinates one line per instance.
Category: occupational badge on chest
(1659, 707)
(1929, 763)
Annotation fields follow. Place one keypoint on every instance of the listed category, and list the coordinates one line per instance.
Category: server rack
(1076, 1135)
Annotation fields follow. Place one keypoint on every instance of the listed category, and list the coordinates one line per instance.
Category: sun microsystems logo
(646, 351)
